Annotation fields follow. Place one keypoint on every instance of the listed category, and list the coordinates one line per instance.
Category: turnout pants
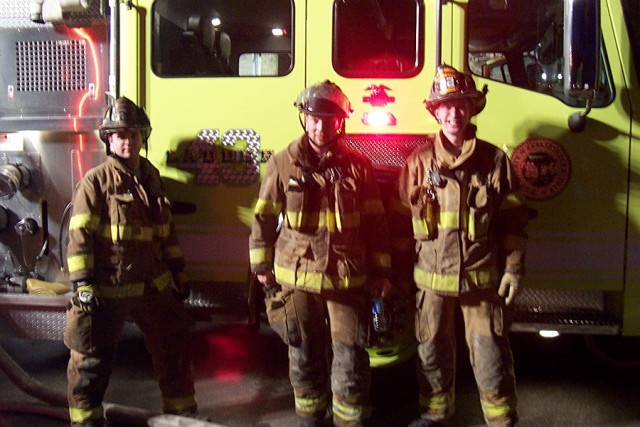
(327, 334)
(487, 322)
(93, 339)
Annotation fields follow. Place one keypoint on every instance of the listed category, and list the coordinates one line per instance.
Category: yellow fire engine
(218, 79)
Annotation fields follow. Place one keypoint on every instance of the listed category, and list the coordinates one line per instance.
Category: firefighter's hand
(267, 280)
(510, 286)
(181, 288)
(85, 299)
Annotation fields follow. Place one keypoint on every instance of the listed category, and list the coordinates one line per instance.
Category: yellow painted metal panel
(409, 93)
(216, 234)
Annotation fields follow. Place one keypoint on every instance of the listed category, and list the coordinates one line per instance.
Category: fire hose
(113, 413)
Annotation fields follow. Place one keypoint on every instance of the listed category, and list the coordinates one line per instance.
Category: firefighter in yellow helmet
(125, 262)
(320, 246)
(459, 229)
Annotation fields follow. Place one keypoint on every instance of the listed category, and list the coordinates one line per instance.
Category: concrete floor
(241, 381)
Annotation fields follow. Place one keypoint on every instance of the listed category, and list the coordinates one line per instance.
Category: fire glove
(510, 287)
(269, 285)
(84, 298)
(181, 288)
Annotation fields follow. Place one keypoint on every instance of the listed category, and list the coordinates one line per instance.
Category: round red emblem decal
(543, 166)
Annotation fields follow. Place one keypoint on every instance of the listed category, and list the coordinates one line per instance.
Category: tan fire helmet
(449, 84)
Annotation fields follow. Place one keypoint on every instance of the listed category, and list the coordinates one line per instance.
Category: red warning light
(378, 118)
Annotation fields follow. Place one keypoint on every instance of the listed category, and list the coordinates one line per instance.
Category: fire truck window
(520, 42)
(378, 38)
(218, 38)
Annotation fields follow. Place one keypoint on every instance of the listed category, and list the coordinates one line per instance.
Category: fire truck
(218, 78)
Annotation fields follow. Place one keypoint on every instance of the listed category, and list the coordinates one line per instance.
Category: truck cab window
(520, 42)
(218, 38)
(378, 38)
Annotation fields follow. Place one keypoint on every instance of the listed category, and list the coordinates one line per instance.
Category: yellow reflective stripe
(438, 282)
(130, 232)
(320, 220)
(315, 280)
(85, 220)
(85, 288)
(174, 404)
(173, 251)
(437, 402)
(382, 259)
(105, 232)
(336, 224)
(492, 410)
(472, 229)
(162, 230)
(451, 282)
(80, 262)
(373, 206)
(261, 255)
(163, 281)
(294, 219)
(121, 291)
(264, 207)
(79, 415)
(513, 200)
(446, 219)
(311, 406)
(350, 413)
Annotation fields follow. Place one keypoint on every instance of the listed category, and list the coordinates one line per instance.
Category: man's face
(454, 115)
(126, 144)
(322, 130)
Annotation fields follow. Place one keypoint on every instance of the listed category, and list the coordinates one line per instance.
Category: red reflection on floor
(224, 354)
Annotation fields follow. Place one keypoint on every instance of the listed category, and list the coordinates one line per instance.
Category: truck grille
(386, 151)
(51, 66)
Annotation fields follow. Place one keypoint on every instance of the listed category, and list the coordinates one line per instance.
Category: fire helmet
(324, 99)
(450, 84)
(124, 115)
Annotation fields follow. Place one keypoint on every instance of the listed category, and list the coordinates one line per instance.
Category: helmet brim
(105, 131)
(478, 99)
(323, 108)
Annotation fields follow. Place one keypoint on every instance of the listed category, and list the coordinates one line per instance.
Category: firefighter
(458, 222)
(319, 245)
(125, 262)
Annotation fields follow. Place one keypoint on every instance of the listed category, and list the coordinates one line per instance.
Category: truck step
(568, 311)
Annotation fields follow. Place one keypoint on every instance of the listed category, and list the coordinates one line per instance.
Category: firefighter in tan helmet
(458, 221)
(125, 262)
(321, 264)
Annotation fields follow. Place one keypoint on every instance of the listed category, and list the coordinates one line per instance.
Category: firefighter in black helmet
(459, 228)
(321, 264)
(125, 262)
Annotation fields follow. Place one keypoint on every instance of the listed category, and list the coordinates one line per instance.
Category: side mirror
(581, 54)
